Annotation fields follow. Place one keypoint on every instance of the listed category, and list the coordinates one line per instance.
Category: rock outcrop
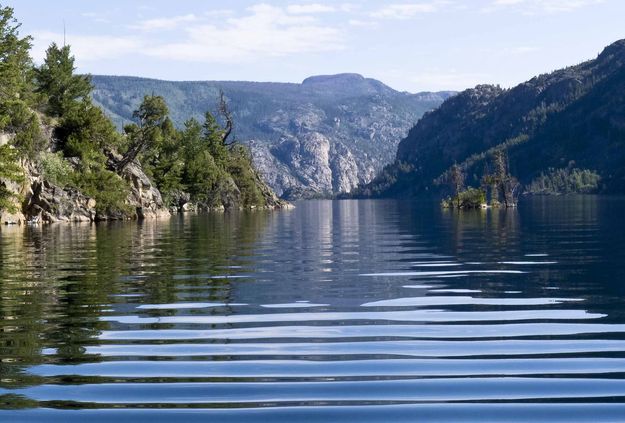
(52, 204)
(144, 198)
(40, 200)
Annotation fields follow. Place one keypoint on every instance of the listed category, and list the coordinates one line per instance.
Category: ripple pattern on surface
(336, 311)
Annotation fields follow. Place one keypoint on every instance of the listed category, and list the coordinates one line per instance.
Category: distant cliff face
(323, 136)
(571, 116)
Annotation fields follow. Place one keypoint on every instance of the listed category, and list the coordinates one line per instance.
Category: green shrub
(471, 198)
(242, 171)
(108, 189)
(10, 171)
(18, 118)
(56, 169)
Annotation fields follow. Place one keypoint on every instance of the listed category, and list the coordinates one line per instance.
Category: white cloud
(297, 9)
(95, 17)
(507, 2)
(522, 49)
(85, 48)
(160, 24)
(363, 24)
(408, 10)
(261, 31)
(532, 7)
(565, 5)
(219, 13)
(349, 7)
(265, 31)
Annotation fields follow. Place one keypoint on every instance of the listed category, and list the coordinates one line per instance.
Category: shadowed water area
(350, 311)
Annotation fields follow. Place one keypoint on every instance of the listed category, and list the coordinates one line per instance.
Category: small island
(498, 188)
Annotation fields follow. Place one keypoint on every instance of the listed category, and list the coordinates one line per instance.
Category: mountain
(323, 136)
(573, 117)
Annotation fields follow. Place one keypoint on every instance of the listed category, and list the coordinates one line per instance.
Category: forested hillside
(573, 118)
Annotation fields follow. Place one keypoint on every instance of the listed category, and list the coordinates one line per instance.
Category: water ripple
(351, 311)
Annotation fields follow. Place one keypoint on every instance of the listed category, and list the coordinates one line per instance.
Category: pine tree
(151, 115)
(15, 61)
(57, 81)
(213, 136)
(15, 114)
(506, 184)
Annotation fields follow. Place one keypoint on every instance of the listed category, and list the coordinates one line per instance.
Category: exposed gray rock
(345, 171)
(53, 204)
(144, 197)
(275, 172)
(43, 200)
(12, 217)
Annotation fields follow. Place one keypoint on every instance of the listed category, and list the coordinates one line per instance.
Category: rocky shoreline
(44, 202)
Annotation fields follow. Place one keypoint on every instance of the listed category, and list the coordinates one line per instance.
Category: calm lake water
(350, 311)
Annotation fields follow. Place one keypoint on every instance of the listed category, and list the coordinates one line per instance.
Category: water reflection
(320, 312)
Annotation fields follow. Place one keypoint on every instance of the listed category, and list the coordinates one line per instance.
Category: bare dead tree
(507, 184)
(456, 179)
(224, 111)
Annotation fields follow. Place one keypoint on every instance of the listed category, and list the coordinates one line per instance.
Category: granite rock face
(318, 138)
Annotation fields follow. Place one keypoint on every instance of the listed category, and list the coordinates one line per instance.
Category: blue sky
(410, 45)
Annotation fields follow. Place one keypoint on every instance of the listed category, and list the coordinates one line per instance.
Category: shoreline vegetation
(498, 187)
(62, 159)
(570, 180)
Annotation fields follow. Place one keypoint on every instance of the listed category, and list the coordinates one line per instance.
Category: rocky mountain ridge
(323, 136)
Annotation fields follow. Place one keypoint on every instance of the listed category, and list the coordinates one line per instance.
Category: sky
(425, 45)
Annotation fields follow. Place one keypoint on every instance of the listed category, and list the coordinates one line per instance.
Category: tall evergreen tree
(57, 80)
(15, 61)
(213, 136)
(15, 89)
(506, 184)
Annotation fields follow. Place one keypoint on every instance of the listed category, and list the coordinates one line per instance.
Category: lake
(336, 311)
